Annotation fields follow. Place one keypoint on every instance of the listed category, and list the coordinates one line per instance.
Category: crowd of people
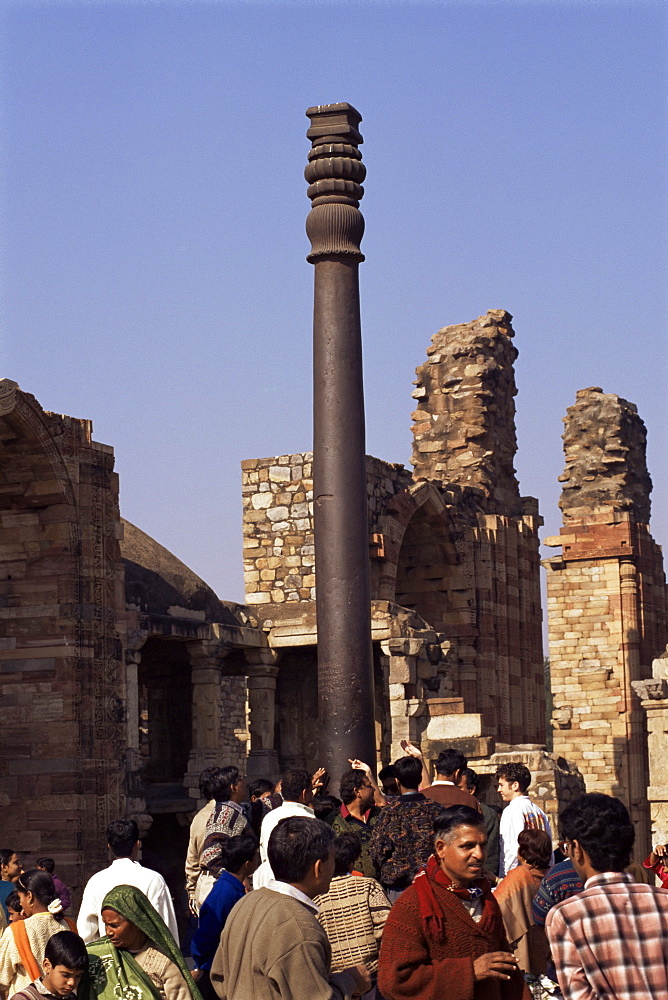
(410, 888)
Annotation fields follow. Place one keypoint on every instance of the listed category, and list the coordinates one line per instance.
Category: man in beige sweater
(198, 835)
(272, 946)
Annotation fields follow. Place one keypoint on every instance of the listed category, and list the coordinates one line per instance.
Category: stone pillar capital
(262, 660)
(335, 172)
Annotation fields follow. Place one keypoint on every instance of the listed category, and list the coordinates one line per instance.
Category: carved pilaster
(335, 172)
(205, 676)
(262, 674)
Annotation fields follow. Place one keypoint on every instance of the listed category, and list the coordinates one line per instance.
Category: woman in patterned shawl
(138, 959)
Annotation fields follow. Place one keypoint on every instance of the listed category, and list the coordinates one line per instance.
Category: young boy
(14, 908)
(65, 961)
(237, 859)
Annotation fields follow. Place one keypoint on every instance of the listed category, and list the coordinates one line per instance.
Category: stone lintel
(445, 706)
(473, 748)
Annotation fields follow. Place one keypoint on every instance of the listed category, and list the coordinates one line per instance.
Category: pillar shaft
(335, 227)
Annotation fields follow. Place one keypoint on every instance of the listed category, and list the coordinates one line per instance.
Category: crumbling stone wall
(234, 737)
(459, 547)
(606, 600)
(605, 443)
(464, 425)
(279, 552)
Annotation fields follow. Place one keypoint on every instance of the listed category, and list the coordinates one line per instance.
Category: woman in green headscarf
(138, 959)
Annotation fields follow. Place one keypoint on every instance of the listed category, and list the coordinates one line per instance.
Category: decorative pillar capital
(335, 172)
(262, 661)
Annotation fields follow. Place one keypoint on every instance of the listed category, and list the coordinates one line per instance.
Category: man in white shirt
(519, 814)
(123, 842)
(297, 792)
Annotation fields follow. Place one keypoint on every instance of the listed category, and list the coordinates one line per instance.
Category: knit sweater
(163, 973)
(273, 948)
(415, 967)
(39, 928)
(353, 914)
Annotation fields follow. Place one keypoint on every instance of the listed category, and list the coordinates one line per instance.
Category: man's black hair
(205, 782)
(296, 844)
(515, 771)
(449, 761)
(472, 778)
(408, 772)
(347, 848)
(324, 805)
(6, 855)
(48, 864)
(387, 773)
(351, 780)
(122, 835)
(455, 816)
(12, 902)
(221, 783)
(68, 949)
(293, 783)
(602, 827)
(259, 787)
(40, 884)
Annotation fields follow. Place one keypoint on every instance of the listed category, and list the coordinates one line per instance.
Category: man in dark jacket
(402, 839)
(469, 782)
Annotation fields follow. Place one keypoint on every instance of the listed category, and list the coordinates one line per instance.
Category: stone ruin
(607, 612)
(456, 616)
(123, 674)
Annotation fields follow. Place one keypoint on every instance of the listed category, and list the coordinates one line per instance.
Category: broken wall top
(464, 426)
(605, 448)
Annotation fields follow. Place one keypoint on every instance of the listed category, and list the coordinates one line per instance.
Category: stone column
(653, 696)
(262, 674)
(405, 708)
(335, 227)
(205, 674)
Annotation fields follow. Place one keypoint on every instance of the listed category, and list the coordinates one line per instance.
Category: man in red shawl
(444, 936)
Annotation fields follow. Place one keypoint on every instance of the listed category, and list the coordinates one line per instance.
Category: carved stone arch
(428, 560)
(23, 415)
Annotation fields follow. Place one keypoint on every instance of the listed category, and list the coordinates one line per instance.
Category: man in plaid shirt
(610, 940)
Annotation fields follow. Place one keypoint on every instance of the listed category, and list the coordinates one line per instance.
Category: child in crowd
(65, 961)
(49, 865)
(13, 904)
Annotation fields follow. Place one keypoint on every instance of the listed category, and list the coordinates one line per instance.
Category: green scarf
(114, 974)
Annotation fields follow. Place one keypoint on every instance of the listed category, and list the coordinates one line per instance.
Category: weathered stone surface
(464, 429)
(605, 448)
(607, 613)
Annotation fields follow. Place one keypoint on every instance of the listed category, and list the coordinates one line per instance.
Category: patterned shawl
(114, 974)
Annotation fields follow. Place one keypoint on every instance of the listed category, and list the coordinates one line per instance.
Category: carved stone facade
(607, 609)
(61, 656)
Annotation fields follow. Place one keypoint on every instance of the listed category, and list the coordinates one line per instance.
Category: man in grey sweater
(272, 946)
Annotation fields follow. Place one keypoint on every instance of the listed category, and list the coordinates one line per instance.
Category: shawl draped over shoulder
(114, 973)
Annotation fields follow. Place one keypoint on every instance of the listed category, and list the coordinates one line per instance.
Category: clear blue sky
(153, 207)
